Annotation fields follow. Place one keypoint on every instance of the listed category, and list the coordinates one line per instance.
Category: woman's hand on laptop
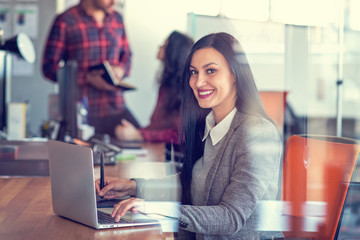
(116, 187)
(130, 204)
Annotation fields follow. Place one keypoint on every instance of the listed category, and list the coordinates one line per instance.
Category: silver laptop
(73, 188)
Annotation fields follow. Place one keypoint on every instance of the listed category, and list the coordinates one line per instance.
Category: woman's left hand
(131, 204)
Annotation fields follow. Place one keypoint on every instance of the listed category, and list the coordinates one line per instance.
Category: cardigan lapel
(238, 119)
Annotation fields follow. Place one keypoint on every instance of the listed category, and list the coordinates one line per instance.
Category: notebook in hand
(73, 188)
(109, 76)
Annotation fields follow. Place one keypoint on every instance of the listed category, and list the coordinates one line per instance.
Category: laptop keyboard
(105, 218)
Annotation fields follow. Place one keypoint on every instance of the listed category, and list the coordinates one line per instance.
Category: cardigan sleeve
(159, 189)
(247, 173)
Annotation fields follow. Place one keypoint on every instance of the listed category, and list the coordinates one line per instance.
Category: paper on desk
(166, 212)
(138, 152)
(167, 224)
(166, 208)
(130, 154)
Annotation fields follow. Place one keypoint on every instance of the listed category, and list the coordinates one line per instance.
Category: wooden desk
(26, 207)
(26, 213)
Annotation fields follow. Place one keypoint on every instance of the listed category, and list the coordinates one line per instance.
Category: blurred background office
(308, 49)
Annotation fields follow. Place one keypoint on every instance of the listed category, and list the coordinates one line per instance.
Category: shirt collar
(218, 131)
(82, 11)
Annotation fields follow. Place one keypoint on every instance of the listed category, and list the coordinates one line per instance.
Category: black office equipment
(102, 176)
(5, 70)
(68, 97)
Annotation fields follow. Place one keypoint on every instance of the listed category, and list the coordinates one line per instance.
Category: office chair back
(318, 168)
(274, 103)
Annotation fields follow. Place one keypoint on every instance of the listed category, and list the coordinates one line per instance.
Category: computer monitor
(68, 98)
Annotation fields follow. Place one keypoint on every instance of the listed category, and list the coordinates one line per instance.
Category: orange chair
(318, 168)
(274, 103)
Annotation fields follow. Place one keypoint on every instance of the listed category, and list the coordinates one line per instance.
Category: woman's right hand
(116, 188)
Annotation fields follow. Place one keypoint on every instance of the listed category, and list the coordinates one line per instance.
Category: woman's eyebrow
(208, 64)
(205, 66)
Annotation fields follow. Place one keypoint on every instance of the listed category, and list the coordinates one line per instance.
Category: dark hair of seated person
(177, 48)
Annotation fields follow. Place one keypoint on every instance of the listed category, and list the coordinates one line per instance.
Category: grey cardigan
(245, 171)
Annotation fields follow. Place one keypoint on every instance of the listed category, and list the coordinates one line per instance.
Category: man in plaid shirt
(90, 33)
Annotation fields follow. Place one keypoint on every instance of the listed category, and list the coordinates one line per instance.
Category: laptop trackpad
(132, 217)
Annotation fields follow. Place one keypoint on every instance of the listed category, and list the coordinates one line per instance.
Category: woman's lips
(205, 93)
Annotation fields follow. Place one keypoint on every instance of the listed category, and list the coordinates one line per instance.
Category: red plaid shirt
(75, 35)
(163, 127)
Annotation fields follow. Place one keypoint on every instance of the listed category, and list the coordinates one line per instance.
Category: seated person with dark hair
(164, 122)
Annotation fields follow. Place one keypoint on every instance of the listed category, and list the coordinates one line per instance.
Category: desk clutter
(112, 152)
(8, 151)
(30, 158)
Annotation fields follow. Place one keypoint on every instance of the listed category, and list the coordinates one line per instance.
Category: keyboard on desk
(105, 218)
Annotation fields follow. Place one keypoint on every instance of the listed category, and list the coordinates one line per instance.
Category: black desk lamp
(21, 46)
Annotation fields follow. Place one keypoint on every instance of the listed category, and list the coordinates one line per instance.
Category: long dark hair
(176, 51)
(192, 121)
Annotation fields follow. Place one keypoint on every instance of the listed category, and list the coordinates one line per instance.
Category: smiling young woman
(232, 148)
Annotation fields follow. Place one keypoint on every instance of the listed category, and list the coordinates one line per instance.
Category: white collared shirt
(203, 165)
(218, 131)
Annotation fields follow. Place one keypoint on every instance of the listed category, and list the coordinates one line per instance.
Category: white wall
(148, 24)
